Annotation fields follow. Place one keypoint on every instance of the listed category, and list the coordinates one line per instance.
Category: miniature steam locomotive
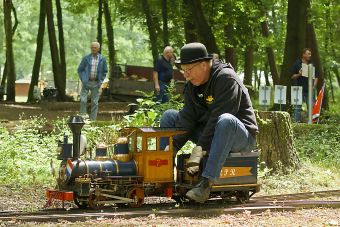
(139, 168)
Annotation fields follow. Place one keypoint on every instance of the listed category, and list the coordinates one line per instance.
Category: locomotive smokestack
(76, 123)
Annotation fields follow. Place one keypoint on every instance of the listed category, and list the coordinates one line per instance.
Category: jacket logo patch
(209, 100)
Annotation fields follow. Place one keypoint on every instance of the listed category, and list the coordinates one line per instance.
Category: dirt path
(53, 110)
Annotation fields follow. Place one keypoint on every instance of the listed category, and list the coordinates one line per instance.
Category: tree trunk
(270, 54)
(255, 78)
(99, 25)
(190, 34)
(39, 50)
(229, 50)
(229, 38)
(330, 83)
(203, 28)
(276, 141)
(151, 28)
(336, 72)
(1, 49)
(15, 20)
(266, 76)
(4, 75)
(61, 43)
(9, 67)
(189, 27)
(1, 36)
(165, 23)
(110, 38)
(295, 39)
(54, 52)
(259, 80)
(269, 49)
(248, 65)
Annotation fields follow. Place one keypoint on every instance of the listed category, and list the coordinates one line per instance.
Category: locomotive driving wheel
(242, 196)
(137, 194)
(93, 201)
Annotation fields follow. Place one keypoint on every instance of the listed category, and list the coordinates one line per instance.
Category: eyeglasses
(187, 70)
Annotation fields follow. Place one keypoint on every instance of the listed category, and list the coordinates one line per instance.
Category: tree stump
(276, 140)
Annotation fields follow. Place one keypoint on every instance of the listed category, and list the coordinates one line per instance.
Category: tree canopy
(259, 37)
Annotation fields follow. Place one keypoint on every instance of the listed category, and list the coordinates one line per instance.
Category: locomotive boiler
(137, 168)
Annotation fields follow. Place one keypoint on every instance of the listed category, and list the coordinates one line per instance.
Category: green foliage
(26, 150)
(25, 154)
(149, 111)
(332, 116)
(100, 134)
(318, 143)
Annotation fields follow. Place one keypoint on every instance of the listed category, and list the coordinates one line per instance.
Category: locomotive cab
(153, 163)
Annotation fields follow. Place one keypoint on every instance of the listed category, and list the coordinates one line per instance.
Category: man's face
(169, 54)
(197, 73)
(94, 49)
(307, 55)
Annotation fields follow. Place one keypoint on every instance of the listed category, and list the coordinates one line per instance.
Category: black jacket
(223, 93)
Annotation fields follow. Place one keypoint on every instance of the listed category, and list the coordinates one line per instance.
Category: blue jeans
(230, 136)
(93, 87)
(162, 96)
(297, 109)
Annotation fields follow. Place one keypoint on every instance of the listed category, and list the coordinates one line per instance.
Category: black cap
(193, 52)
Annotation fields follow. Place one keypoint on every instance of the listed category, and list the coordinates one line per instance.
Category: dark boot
(201, 192)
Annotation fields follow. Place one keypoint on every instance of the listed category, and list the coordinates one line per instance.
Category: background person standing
(92, 71)
(162, 74)
(299, 80)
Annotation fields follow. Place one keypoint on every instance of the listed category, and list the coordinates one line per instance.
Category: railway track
(303, 195)
(287, 202)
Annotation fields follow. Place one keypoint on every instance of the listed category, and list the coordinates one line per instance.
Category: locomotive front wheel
(137, 194)
(80, 203)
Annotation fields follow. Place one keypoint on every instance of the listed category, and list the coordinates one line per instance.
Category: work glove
(193, 163)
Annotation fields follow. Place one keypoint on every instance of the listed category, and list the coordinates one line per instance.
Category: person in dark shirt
(217, 115)
(299, 80)
(162, 74)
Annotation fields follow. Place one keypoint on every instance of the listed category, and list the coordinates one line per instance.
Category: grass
(310, 177)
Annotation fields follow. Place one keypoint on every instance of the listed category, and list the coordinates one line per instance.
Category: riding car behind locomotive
(137, 168)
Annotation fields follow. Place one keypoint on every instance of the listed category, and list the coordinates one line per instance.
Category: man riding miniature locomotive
(217, 115)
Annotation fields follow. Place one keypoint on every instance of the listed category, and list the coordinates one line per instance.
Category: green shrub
(25, 153)
(318, 143)
(149, 111)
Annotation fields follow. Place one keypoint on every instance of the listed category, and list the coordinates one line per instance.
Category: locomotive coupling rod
(118, 197)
